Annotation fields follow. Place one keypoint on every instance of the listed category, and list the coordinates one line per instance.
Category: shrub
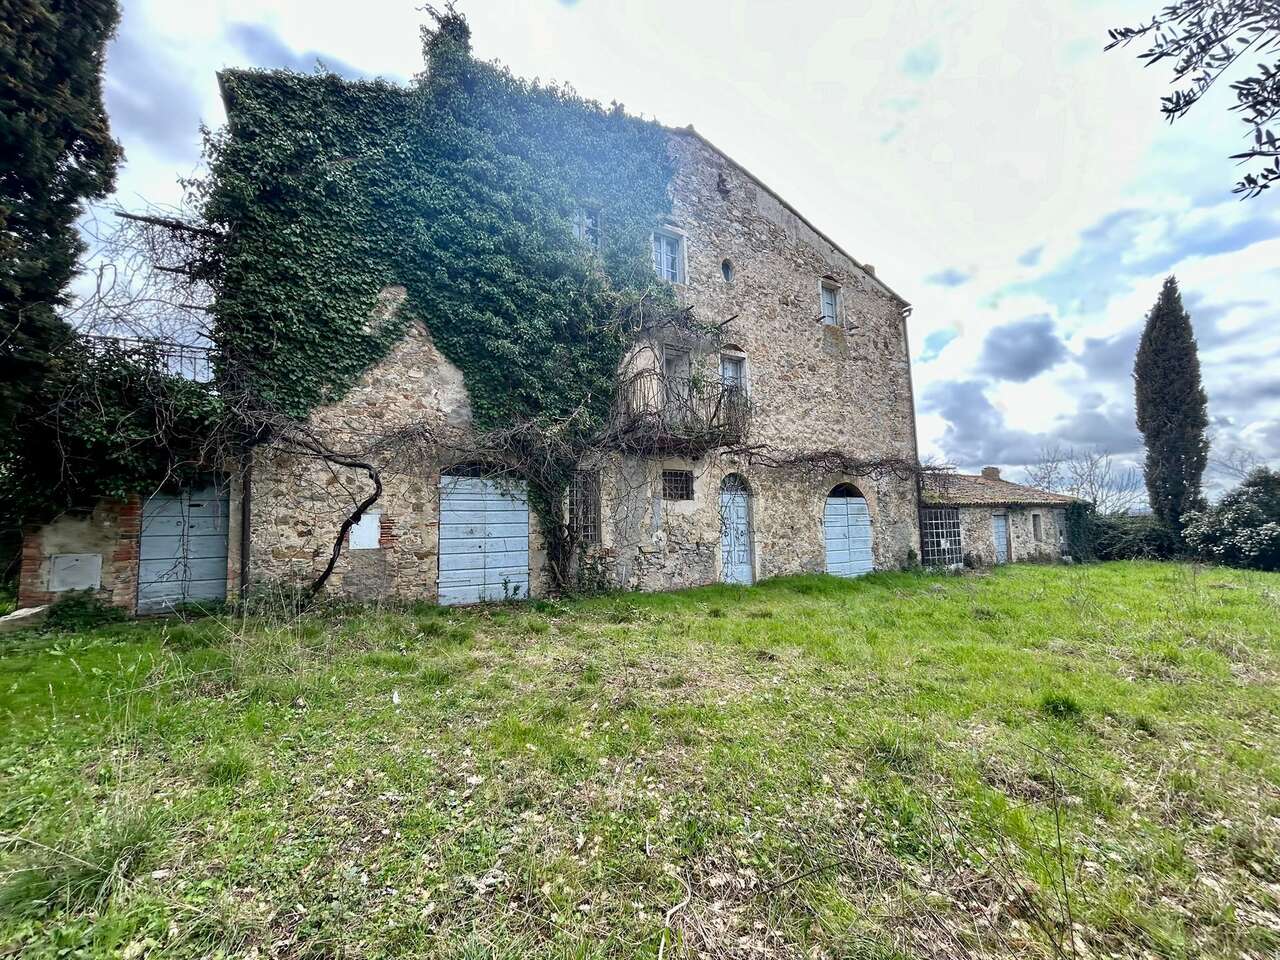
(80, 610)
(1120, 537)
(1243, 529)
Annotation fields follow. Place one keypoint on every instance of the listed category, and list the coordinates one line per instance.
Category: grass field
(1071, 761)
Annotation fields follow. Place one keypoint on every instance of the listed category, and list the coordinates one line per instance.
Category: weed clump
(81, 879)
(230, 767)
(1061, 706)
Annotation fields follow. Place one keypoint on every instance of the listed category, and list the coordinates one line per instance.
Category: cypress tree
(1172, 409)
(56, 152)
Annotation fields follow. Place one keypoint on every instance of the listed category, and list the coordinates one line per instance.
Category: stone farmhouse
(815, 357)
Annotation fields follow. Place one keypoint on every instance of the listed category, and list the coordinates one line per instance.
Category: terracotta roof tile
(963, 489)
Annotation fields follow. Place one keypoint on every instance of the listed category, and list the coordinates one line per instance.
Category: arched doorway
(846, 527)
(735, 530)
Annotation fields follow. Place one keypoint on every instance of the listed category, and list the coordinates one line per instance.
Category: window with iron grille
(584, 506)
(677, 484)
(940, 538)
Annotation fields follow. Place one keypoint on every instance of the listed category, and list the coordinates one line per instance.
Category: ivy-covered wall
(463, 188)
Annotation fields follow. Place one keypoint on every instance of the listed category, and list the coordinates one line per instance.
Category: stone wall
(814, 386)
(110, 532)
(978, 540)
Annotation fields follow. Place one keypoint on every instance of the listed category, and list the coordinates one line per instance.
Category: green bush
(1121, 537)
(80, 610)
(1243, 529)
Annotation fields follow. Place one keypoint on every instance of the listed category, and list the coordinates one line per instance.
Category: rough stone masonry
(814, 385)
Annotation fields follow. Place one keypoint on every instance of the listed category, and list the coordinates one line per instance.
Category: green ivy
(110, 422)
(462, 188)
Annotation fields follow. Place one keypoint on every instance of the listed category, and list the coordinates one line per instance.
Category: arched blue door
(735, 530)
(846, 527)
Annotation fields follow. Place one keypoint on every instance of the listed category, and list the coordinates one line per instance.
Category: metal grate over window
(940, 538)
(584, 506)
(677, 484)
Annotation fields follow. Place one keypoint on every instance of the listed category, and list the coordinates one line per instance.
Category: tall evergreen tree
(1172, 409)
(55, 152)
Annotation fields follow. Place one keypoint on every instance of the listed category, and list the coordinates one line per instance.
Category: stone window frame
(672, 232)
(677, 485)
(1037, 528)
(829, 285)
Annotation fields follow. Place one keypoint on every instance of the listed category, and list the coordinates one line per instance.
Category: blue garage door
(846, 526)
(182, 554)
(484, 540)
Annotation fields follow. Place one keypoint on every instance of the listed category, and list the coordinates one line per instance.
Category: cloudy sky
(1011, 180)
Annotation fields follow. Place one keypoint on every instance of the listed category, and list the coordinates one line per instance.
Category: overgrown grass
(1037, 762)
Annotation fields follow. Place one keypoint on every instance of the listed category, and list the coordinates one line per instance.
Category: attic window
(830, 302)
(677, 484)
(726, 268)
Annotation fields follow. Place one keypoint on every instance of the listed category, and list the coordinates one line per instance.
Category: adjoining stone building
(983, 520)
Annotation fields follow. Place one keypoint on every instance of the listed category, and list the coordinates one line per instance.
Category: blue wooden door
(846, 527)
(1000, 533)
(484, 540)
(735, 532)
(182, 552)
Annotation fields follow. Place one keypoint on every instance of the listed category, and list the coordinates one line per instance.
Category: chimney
(991, 473)
(870, 268)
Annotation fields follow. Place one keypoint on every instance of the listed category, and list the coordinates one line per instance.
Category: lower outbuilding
(984, 520)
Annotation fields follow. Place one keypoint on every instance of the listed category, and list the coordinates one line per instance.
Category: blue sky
(1004, 174)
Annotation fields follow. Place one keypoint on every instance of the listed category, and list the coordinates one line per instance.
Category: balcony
(656, 413)
(166, 357)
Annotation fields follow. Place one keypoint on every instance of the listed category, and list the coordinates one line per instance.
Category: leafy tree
(55, 152)
(1172, 409)
(1204, 39)
(1242, 530)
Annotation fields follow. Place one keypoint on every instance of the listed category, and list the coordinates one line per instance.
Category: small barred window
(677, 484)
(584, 506)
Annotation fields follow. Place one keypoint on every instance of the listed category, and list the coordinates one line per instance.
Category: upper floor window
(733, 370)
(586, 227)
(830, 302)
(668, 256)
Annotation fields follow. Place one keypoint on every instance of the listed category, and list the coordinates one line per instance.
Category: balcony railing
(663, 414)
(163, 356)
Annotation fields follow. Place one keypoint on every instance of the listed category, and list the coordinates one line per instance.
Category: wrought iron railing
(672, 414)
(165, 356)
